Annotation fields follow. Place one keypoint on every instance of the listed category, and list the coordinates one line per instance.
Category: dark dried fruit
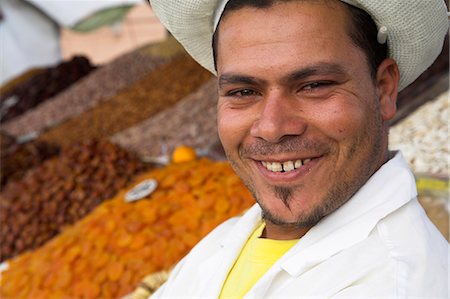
(61, 191)
(42, 86)
(16, 159)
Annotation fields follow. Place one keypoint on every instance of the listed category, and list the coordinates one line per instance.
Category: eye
(313, 85)
(316, 85)
(242, 93)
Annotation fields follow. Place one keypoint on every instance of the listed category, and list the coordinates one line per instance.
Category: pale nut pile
(151, 94)
(192, 121)
(423, 137)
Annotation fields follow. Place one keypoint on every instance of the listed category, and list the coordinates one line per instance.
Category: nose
(279, 116)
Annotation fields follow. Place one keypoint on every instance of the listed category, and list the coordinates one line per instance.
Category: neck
(283, 232)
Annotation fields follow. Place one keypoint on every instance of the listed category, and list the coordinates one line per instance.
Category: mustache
(261, 147)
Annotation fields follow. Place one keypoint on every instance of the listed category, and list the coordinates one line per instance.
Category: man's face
(298, 113)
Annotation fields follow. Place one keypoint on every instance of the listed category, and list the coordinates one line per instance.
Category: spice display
(61, 191)
(153, 93)
(16, 159)
(109, 252)
(192, 121)
(42, 86)
(95, 88)
(423, 137)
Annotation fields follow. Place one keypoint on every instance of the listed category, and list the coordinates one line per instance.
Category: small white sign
(141, 190)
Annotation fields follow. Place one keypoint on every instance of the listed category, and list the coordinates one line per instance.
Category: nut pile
(167, 49)
(152, 94)
(43, 86)
(97, 87)
(109, 252)
(423, 137)
(61, 191)
(192, 122)
(16, 159)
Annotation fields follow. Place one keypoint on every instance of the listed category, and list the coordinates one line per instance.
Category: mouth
(286, 166)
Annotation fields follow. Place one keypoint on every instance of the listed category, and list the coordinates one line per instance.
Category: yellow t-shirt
(257, 256)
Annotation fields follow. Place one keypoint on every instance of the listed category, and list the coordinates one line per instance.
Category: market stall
(125, 174)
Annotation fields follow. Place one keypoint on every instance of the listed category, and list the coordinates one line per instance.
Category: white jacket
(380, 244)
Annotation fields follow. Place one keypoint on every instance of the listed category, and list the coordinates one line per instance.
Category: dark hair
(363, 30)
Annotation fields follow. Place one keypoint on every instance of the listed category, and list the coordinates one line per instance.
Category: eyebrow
(323, 68)
(225, 79)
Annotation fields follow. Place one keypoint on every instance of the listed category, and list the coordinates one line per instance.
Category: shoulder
(418, 250)
(410, 228)
(404, 256)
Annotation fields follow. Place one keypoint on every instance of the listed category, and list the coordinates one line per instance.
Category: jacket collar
(218, 265)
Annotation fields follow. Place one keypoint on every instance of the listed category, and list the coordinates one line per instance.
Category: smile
(285, 166)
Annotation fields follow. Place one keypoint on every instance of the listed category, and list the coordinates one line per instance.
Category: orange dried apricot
(114, 270)
(119, 243)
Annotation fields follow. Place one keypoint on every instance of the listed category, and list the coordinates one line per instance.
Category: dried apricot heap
(108, 253)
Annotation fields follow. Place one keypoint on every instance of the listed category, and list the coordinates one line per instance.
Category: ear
(388, 77)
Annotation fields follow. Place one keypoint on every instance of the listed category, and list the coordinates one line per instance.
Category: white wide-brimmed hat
(414, 29)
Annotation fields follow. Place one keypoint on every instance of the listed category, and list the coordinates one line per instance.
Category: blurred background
(42, 33)
(111, 169)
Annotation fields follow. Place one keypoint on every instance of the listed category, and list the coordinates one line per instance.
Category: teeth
(285, 166)
(276, 167)
(288, 166)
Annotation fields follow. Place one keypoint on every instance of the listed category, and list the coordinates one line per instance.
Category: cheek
(232, 127)
(340, 121)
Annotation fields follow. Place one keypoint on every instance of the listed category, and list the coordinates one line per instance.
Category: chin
(280, 211)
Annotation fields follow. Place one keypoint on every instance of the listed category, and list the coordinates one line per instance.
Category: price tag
(141, 190)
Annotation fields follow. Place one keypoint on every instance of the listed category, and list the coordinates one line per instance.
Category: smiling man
(306, 91)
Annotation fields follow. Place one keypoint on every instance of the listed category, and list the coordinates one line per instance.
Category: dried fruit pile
(16, 81)
(6, 141)
(43, 86)
(16, 159)
(61, 191)
(95, 88)
(153, 93)
(110, 251)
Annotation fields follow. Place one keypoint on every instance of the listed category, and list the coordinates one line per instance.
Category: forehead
(288, 30)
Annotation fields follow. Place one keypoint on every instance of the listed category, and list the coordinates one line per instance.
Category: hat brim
(415, 29)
